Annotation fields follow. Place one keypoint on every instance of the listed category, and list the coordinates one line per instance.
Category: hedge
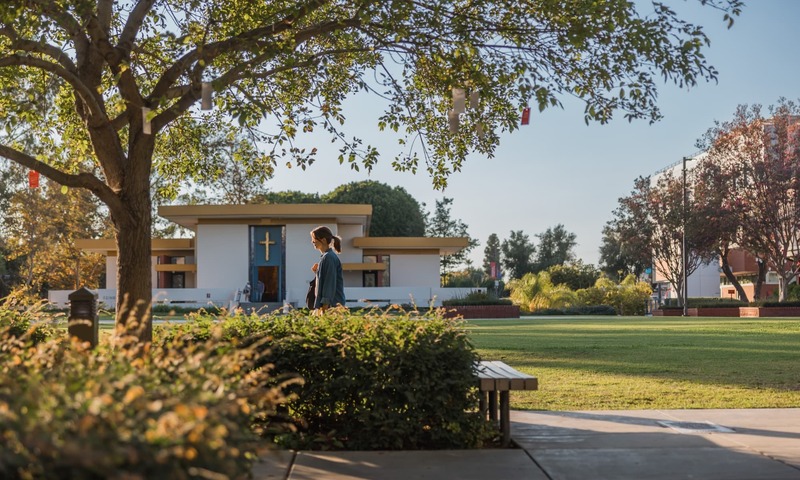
(372, 381)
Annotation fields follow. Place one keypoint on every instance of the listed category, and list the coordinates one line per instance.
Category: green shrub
(373, 381)
(126, 410)
(772, 303)
(24, 320)
(171, 309)
(703, 302)
(476, 298)
(586, 310)
(629, 297)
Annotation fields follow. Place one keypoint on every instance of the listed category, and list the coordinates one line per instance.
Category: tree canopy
(99, 94)
(395, 213)
(757, 157)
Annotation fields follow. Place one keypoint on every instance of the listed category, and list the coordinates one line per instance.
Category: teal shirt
(330, 281)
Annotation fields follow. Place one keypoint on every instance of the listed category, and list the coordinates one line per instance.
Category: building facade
(262, 254)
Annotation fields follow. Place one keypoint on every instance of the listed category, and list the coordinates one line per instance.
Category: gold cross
(266, 244)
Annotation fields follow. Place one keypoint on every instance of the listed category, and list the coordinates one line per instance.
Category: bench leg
(505, 417)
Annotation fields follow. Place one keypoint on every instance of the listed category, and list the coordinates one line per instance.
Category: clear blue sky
(558, 169)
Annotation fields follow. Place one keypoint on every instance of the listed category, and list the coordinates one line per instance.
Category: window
(376, 278)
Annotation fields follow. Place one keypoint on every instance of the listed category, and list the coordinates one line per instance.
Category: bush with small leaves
(372, 380)
(131, 410)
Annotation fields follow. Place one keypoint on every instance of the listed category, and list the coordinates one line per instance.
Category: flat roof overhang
(190, 216)
(445, 245)
(158, 246)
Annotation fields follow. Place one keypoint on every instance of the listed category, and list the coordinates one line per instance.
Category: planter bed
(483, 311)
(668, 312)
(753, 312)
(714, 312)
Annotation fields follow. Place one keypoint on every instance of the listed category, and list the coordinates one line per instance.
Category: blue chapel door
(267, 258)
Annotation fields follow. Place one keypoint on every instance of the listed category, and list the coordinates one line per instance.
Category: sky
(558, 170)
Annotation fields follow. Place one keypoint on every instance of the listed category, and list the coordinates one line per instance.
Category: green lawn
(597, 363)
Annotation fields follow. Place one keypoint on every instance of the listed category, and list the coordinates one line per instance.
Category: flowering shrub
(126, 410)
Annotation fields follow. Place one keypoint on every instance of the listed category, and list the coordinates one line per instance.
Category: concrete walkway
(761, 444)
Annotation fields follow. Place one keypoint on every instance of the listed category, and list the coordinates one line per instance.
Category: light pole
(684, 253)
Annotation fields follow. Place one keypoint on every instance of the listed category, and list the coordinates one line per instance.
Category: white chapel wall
(414, 270)
(349, 253)
(300, 255)
(222, 252)
(111, 272)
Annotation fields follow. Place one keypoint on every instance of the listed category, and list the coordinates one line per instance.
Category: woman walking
(330, 280)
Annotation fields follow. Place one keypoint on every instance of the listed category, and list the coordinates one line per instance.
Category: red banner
(526, 115)
(33, 179)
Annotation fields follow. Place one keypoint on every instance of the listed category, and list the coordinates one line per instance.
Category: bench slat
(495, 375)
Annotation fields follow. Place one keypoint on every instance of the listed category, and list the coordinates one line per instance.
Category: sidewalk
(597, 445)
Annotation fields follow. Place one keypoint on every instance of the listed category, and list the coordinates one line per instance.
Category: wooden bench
(494, 377)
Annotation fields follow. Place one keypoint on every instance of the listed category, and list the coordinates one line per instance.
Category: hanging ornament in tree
(145, 120)
(526, 115)
(205, 103)
(459, 100)
(33, 179)
(452, 119)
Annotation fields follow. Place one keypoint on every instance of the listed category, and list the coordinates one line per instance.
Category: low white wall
(180, 297)
(419, 296)
(356, 297)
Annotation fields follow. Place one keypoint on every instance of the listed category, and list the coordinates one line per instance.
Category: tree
(575, 275)
(517, 253)
(659, 212)
(42, 226)
(491, 254)
(395, 213)
(441, 224)
(536, 291)
(763, 155)
(715, 196)
(109, 89)
(234, 177)
(626, 238)
(291, 196)
(555, 247)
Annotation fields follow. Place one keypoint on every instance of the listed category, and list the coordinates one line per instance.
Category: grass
(610, 363)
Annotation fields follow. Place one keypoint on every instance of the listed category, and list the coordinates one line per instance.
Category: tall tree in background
(715, 196)
(110, 88)
(575, 275)
(395, 213)
(556, 247)
(518, 252)
(626, 238)
(42, 226)
(234, 177)
(491, 254)
(442, 224)
(657, 216)
(763, 153)
(290, 196)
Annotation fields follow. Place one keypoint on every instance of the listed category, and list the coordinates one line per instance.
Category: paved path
(762, 444)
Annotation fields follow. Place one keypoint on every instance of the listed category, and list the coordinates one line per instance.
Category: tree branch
(86, 95)
(81, 180)
(51, 51)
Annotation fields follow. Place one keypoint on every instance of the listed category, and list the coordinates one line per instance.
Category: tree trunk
(760, 279)
(134, 262)
(726, 269)
(783, 284)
